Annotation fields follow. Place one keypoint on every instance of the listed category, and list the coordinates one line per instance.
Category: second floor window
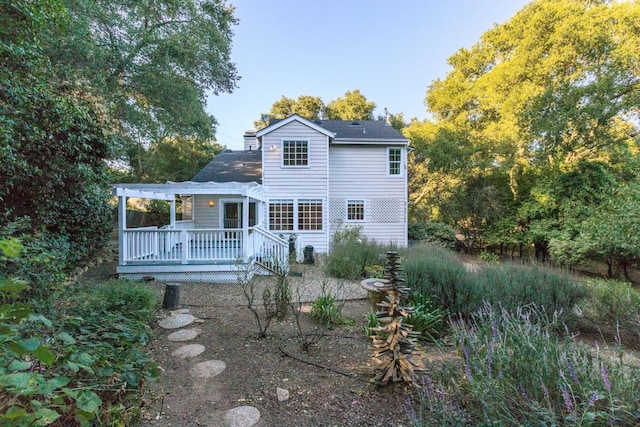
(295, 153)
(395, 161)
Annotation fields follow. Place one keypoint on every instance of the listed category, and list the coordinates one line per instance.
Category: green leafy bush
(489, 257)
(516, 370)
(352, 253)
(433, 232)
(83, 361)
(611, 300)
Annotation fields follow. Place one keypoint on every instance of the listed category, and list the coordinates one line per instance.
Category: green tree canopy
(354, 106)
(549, 95)
(54, 140)
(151, 63)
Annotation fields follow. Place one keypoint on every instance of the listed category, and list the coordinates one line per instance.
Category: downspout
(326, 217)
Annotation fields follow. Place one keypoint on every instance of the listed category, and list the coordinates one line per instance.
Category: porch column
(122, 225)
(245, 225)
(172, 213)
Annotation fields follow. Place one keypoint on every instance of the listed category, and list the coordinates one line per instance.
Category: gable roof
(238, 166)
(294, 117)
(360, 130)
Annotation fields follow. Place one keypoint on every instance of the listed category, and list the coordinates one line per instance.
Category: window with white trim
(309, 214)
(395, 161)
(355, 210)
(187, 208)
(295, 153)
(281, 215)
(290, 215)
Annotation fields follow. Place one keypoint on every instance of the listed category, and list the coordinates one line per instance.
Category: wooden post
(184, 238)
(122, 225)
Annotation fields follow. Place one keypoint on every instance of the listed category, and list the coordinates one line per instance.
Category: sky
(390, 51)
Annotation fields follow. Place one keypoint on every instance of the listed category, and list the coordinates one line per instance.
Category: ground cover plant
(80, 359)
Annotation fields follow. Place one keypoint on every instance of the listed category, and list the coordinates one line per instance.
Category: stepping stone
(183, 335)
(191, 350)
(208, 369)
(242, 416)
(180, 311)
(177, 321)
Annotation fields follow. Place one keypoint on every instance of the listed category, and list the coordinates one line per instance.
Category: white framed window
(295, 153)
(281, 215)
(300, 215)
(309, 214)
(394, 161)
(355, 210)
(187, 208)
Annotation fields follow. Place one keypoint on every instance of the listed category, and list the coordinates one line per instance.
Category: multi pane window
(355, 210)
(395, 161)
(289, 215)
(295, 153)
(281, 215)
(309, 214)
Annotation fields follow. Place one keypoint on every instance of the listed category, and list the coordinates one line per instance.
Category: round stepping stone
(242, 416)
(191, 350)
(208, 369)
(177, 321)
(183, 335)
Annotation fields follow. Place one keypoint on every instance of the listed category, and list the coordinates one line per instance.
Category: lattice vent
(337, 210)
(387, 210)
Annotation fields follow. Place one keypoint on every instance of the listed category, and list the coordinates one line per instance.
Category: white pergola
(169, 191)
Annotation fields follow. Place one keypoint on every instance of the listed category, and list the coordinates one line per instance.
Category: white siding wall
(205, 216)
(360, 173)
(297, 182)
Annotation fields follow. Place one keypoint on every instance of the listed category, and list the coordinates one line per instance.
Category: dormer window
(295, 153)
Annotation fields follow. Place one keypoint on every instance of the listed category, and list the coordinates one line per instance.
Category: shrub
(437, 273)
(351, 254)
(81, 362)
(515, 285)
(611, 300)
(489, 257)
(516, 370)
(433, 232)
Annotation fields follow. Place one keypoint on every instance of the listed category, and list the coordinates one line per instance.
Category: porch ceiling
(169, 190)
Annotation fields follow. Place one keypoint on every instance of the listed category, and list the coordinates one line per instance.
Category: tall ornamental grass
(516, 370)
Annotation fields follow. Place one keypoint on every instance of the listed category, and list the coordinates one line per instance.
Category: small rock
(242, 416)
(180, 311)
(283, 394)
(191, 350)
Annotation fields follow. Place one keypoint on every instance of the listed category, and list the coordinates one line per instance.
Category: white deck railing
(187, 245)
(269, 250)
(151, 245)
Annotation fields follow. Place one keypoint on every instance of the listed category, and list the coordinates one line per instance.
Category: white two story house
(296, 177)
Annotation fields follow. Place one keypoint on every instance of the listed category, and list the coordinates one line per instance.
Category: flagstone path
(241, 416)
